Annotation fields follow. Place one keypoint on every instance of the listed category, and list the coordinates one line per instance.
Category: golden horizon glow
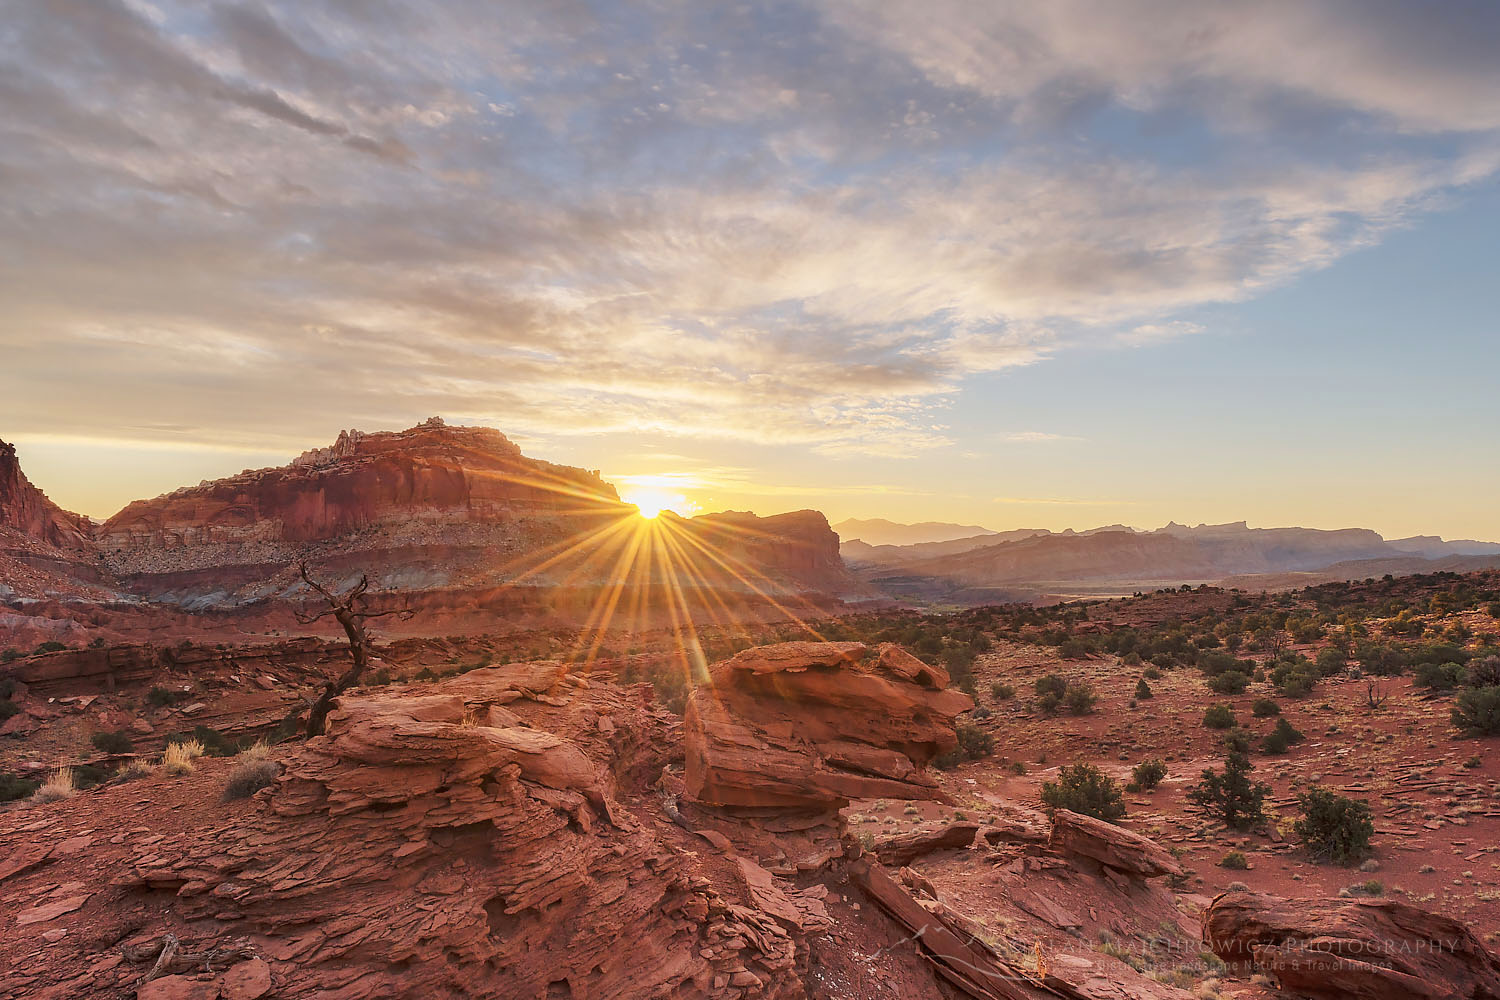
(653, 493)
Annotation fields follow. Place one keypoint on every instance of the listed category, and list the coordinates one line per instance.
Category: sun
(652, 494)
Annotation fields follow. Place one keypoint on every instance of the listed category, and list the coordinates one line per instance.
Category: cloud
(800, 225)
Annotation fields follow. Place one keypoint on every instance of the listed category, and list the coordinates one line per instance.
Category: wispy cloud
(800, 224)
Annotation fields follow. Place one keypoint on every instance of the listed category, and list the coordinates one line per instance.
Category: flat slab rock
(1336, 949)
(1110, 845)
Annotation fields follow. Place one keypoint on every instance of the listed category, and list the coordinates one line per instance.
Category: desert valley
(927, 501)
(597, 754)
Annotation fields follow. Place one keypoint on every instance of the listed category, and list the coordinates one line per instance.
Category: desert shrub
(1131, 659)
(1214, 663)
(1074, 649)
(1494, 609)
(973, 743)
(1264, 708)
(249, 777)
(60, 784)
(1235, 860)
(1143, 690)
(1219, 717)
(1237, 740)
(1147, 775)
(50, 646)
(1331, 660)
(8, 687)
(1278, 740)
(1229, 682)
(161, 697)
(1439, 676)
(1002, 692)
(7, 709)
(10, 653)
(1079, 699)
(1051, 684)
(1151, 674)
(117, 741)
(1483, 672)
(1334, 827)
(1083, 788)
(210, 741)
(178, 757)
(1380, 659)
(1476, 711)
(1230, 795)
(13, 786)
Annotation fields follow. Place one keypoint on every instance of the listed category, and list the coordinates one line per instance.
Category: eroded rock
(1355, 949)
(815, 725)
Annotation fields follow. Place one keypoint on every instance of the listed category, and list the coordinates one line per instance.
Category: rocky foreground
(523, 831)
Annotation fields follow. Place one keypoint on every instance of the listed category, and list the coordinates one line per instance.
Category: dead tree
(351, 611)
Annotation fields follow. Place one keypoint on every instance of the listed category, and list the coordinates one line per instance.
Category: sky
(1014, 264)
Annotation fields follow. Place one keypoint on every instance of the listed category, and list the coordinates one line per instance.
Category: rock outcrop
(438, 845)
(813, 725)
(1334, 949)
(456, 517)
(1113, 847)
(26, 510)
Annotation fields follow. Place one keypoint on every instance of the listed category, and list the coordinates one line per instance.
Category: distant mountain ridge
(879, 531)
(979, 567)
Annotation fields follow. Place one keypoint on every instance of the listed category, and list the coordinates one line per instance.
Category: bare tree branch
(351, 612)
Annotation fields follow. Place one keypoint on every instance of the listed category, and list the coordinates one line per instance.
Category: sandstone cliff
(459, 516)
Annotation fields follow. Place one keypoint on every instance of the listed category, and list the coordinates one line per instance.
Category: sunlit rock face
(455, 513)
(813, 725)
(27, 512)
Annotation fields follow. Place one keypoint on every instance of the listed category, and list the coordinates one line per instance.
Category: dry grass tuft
(178, 757)
(249, 777)
(60, 785)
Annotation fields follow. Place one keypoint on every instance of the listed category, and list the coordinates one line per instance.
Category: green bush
(1147, 775)
(1282, 737)
(973, 743)
(7, 709)
(1333, 827)
(1219, 717)
(1264, 708)
(13, 786)
(1151, 674)
(50, 646)
(10, 654)
(1229, 682)
(117, 741)
(1051, 684)
(1295, 679)
(1230, 795)
(1074, 649)
(1002, 692)
(1079, 699)
(1331, 660)
(1439, 676)
(1143, 690)
(161, 697)
(1083, 788)
(1483, 671)
(1235, 860)
(1476, 711)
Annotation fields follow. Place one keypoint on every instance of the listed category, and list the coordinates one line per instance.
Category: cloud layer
(784, 222)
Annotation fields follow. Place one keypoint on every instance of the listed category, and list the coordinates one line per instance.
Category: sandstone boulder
(1352, 949)
(817, 724)
(1111, 846)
